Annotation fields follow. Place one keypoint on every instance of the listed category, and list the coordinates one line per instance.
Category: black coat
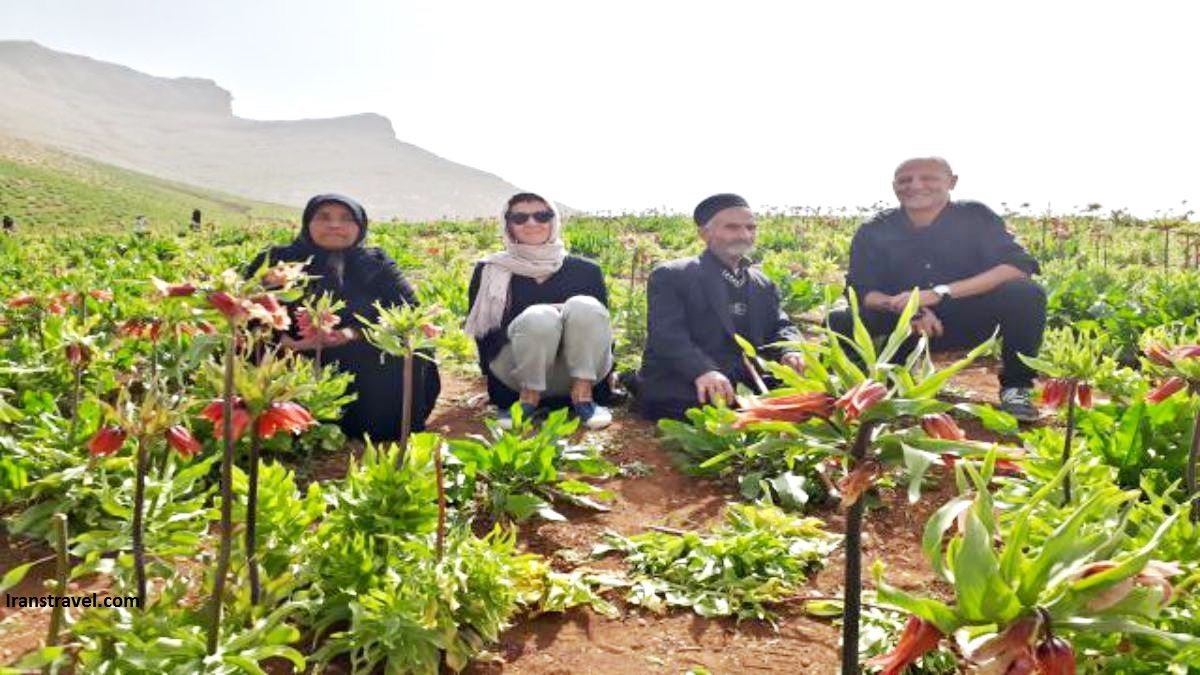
(690, 331)
(369, 275)
(577, 276)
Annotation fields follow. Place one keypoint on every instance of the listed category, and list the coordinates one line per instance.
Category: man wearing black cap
(971, 274)
(697, 305)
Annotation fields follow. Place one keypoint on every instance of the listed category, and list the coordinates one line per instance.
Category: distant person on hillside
(9, 226)
(195, 220)
(140, 226)
(971, 273)
(332, 230)
(696, 306)
(540, 319)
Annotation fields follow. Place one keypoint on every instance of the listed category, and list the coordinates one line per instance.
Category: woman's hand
(336, 338)
(340, 337)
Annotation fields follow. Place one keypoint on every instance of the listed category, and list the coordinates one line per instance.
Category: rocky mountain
(183, 129)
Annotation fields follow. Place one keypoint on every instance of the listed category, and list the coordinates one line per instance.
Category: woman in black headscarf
(331, 237)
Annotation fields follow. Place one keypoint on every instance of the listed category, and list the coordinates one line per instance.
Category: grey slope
(184, 129)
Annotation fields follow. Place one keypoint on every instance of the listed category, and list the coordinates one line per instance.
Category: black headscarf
(357, 262)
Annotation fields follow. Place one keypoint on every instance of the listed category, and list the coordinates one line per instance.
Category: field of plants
(866, 515)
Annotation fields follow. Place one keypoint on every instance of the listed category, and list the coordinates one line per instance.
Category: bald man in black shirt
(972, 274)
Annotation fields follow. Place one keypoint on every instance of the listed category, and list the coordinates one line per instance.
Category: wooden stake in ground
(223, 551)
(852, 605)
(62, 569)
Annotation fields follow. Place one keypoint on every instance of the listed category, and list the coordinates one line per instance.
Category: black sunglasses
(521, 218)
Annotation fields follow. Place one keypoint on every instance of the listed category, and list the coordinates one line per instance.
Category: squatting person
(540, 319)
(696, 306)
(971, 273)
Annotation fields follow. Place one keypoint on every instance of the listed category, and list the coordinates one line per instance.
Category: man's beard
(738, 250)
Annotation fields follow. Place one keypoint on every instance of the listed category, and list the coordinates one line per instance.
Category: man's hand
(713, 385)
(927, 324)
(793, 360)
(896, 303)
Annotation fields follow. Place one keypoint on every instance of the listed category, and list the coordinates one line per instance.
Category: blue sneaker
(504, 418)
(593, 416)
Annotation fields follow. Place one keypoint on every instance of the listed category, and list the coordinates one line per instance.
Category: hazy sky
(626, 105)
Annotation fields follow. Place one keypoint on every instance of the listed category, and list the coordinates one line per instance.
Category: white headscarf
(535, 261)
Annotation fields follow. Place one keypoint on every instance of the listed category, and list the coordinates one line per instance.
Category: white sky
(626, 105)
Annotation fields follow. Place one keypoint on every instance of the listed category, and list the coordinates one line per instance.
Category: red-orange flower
(231, 307)
(1166, 389)
(101, 294)
(266, 308)
(78, 354)
(790, 408)
(56, 307)
(283, 274)
(1055, 657)
(106, 441)
(22, 299)
(1155, 573)
(861, 397)
(323, 328)
(1185, 352)
(215, 413)
(855, 483)
(1158, 354)
(180, 290)
(1083, 395)
(173, 290)
(430, 331)
(181, 439)
(1054, 393)
(1010, 650)
(284, 416)
(942, 426)
(919, 637)
(141, 328)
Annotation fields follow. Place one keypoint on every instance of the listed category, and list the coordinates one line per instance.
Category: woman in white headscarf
(540, 319)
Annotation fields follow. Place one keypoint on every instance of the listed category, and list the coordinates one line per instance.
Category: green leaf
(15, 575)
(903, 330)
(790, 489)
(945, 617)
(935, 530)
(1066, 545)
(745, 345)
(931, 385)
(862, 338)
(983, 595)
(991, 418)
(1131, 564)
(917, 462)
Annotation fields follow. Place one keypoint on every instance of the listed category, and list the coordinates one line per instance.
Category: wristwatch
(943, 292)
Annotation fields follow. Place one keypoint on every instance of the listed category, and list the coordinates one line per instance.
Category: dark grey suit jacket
(690, 331)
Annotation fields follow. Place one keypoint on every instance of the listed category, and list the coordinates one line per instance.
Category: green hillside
(42, 186)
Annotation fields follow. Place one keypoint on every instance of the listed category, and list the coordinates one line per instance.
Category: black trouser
(1018, 307)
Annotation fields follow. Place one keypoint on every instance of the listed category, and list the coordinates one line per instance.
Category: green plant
(760, 555)
(520, 471)
(1073, 574)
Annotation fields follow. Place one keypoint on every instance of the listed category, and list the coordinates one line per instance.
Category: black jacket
(577, 276)
(690, 331)
(369, 275)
